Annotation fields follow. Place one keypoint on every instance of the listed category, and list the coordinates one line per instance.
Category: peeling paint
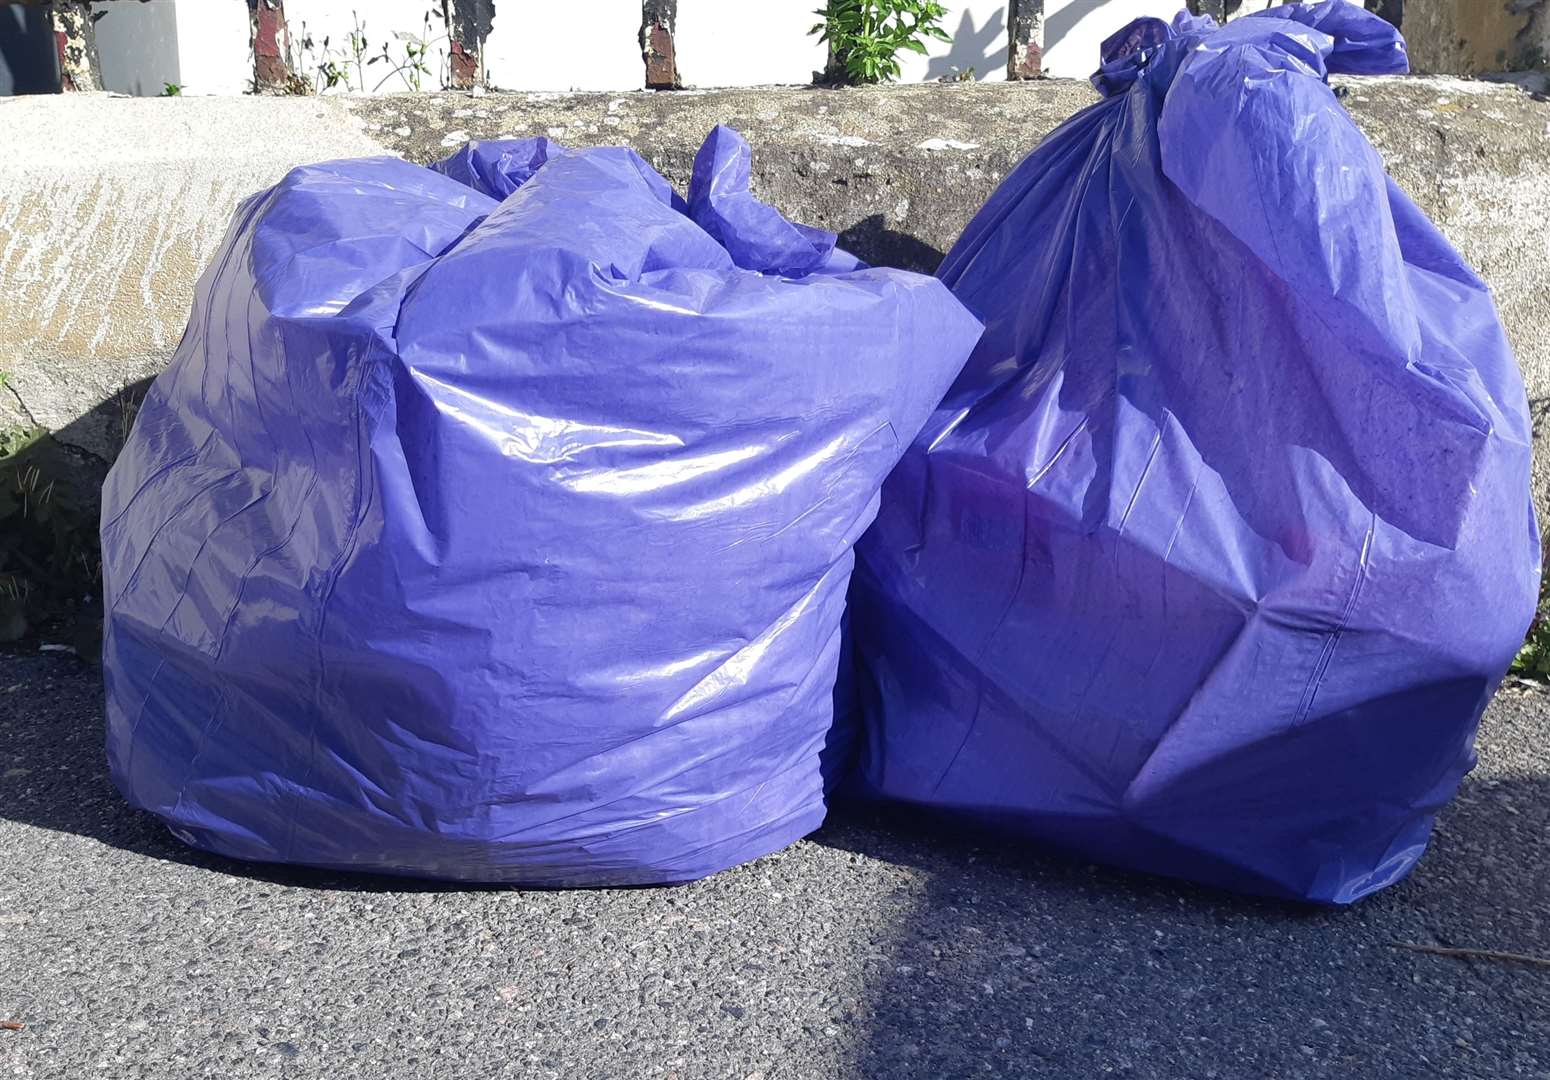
(658, 21)
(77, 46)
(468, 28)
(271, 45)
(1025, 40)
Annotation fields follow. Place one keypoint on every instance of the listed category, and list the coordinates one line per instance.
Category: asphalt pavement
(882, 947)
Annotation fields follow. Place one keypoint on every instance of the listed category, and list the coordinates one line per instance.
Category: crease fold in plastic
(494, 521)
(1211, 558)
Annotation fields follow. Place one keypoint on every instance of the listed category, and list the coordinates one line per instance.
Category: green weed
(866, 36)
(1533, 659)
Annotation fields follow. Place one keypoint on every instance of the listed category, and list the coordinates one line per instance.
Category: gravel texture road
(881, 947)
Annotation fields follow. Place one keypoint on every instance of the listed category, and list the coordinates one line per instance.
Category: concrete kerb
(110, 207)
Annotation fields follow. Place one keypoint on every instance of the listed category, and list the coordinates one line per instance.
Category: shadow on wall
(50, 504)
(137, 47)
(1062, 22)
(981, 50)
(28, 61)
(872, 240)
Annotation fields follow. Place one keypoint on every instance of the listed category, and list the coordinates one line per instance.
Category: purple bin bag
(1210, 560)
(495, 522)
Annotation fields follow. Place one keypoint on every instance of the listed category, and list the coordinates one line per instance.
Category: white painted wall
(539, 45)
(746, 43)
(137, 46)
(1074, 30)
(544, 45)
(213, 56)
(199, 45)
(377, 21)
(979, 30)
(1248, 7)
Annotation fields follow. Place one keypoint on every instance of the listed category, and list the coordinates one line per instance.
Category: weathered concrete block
(899, 170)
(110, 208)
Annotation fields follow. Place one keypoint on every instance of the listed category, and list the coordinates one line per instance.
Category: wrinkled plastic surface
(495, 522)
(1211, 558)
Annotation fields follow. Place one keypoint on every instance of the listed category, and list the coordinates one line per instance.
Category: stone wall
(1475, 36)
(110, 207)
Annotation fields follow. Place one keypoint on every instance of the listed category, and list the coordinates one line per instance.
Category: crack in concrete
(74, 448)
(15, 393)
(1440, 212)
(78, 450)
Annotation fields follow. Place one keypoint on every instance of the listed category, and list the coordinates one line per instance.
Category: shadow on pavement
(1004, 962)
(1008, 962)
(1001, 961)
(54, 775)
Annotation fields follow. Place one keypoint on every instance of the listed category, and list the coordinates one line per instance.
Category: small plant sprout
(345, 67)
(333, 65)
(867, 35)
(413, 68)
(1533, 659)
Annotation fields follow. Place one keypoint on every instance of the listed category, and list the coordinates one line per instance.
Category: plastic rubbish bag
(1210, 560)
(507, 541)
